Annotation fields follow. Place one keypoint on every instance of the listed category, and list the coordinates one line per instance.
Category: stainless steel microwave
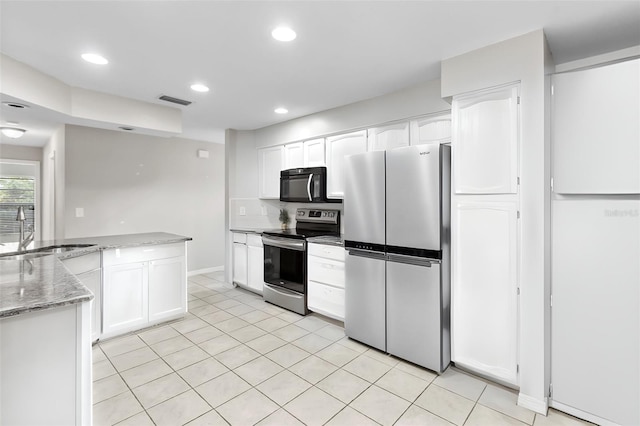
(304, 185)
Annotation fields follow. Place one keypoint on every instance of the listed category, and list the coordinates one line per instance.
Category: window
(16, 192)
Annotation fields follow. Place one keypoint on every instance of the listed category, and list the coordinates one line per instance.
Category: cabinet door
(595, 133)
(485, 142)
(93, 281)
(125, 297)
(167, 288)
(484, 288)
(314, 153)
(255, 268)
(388, 137)
(240, 263)
(432, 129)
(326, 300)
(293, 156)
(338, 147)
(270, 162)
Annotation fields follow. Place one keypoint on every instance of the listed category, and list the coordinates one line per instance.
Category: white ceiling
(345, 50)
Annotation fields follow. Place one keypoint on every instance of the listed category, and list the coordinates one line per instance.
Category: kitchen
(408, 104)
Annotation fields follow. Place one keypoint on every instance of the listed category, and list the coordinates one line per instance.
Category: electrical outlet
(242, 211)
(79, 212)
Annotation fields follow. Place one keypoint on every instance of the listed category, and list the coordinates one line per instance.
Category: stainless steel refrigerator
(397, 289)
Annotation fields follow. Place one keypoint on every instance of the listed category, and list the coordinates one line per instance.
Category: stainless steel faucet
(23, 242)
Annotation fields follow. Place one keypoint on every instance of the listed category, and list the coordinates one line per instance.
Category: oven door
(285, 262)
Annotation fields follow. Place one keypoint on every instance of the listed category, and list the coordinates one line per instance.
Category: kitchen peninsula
(52, 300)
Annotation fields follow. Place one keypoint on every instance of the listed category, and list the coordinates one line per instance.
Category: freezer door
(364, 318)
(595, 317)
(413, 197)
(414, 312)
(364, 198)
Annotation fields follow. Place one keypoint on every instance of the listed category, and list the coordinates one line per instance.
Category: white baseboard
(540, 406)
(205, 270)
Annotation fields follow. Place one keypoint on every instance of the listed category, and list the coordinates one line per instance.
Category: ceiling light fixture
(12, 132)
(199, 87)
(283, 34)
(281, 110)
(94, 58)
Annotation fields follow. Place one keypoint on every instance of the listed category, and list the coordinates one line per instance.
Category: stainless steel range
(285, 257)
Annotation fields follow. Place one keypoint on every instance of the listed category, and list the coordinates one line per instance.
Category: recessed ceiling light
(12, 132)
(281, 110)
(199, 87)
(283, 34)
(94, 58)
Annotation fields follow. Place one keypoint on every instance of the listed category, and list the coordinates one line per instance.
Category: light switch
(79, 212)
(243, 211)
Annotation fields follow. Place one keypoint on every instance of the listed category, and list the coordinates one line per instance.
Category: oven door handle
(285, 243)
(282, 291)
(309, 186)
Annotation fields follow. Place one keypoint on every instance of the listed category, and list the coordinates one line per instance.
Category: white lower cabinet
(143, 286)
(325, 290)
(255, 263)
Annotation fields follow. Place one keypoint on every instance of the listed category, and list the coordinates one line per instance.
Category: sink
(44, 251)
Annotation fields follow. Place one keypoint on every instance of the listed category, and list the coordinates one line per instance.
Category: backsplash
(263, 214)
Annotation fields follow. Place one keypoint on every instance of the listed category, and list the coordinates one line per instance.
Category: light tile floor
(240, 361)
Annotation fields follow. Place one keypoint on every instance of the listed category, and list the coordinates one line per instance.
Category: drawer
(142, 253)
(326, 300)
(326, 271)
(329, 252)
(84, 263)
(254, 240)
(240, 237)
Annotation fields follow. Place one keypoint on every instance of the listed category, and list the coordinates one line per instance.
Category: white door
(595, 132)
(293, 156)
(240, 263)
(338, 147)
(485, 142)
(314, 153)
(167, 288)
(255, 263)
(270, 162)
(595, 316)
(430, 129)
(484, 288)
(388, 137)
(125, 297)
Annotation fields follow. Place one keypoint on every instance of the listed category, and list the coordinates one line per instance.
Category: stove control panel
(317, 215)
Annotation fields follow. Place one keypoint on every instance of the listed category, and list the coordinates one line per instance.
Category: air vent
(174, 100)
(15, 105)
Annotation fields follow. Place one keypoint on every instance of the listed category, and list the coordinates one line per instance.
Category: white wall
(130, 183)
(528, 60)
(53, 186)
(410, 102)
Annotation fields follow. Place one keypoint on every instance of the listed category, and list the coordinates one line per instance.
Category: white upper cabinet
(270, 162)
(293, 156)
(314, 153)
(431, 129)
(485, 141)
(595, 134)
(388, 137)
(338, 147)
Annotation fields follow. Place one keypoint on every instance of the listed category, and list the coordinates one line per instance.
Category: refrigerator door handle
(366, 253)
(412, 260)
(309, 186)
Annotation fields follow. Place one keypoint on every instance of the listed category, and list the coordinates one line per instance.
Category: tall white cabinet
(485, 232)
(270, 162)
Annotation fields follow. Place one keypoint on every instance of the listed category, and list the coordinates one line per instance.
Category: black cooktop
(300, 234)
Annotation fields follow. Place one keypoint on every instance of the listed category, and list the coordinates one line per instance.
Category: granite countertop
(329, 240)
(44, 282)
